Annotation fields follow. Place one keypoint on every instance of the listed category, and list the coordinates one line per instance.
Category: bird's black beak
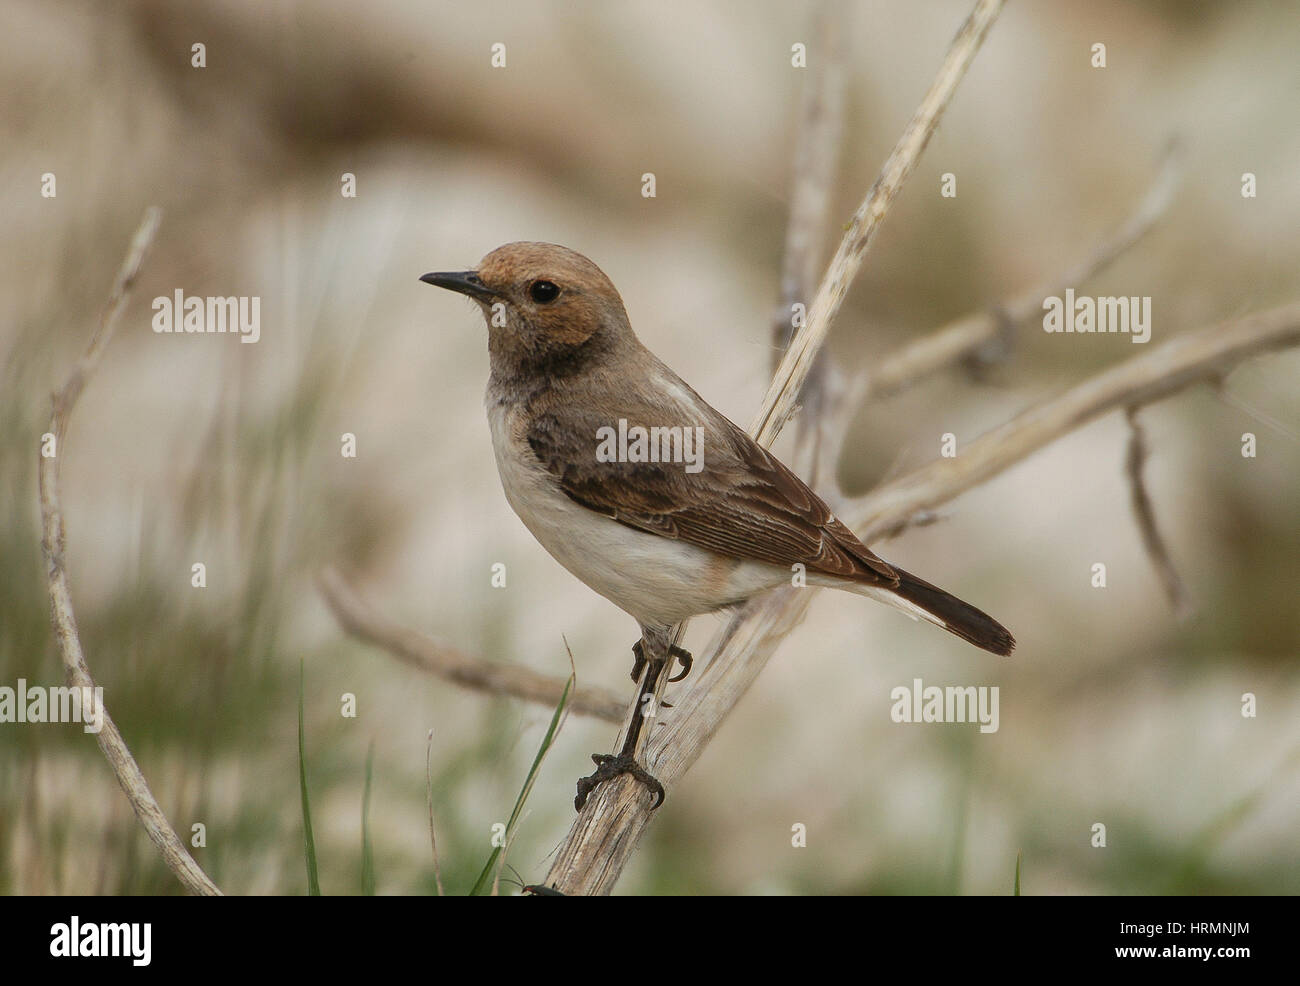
(463, 282)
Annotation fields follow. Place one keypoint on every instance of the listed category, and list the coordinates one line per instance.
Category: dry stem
(783, 393)
(968, 334)
(419, 651)
(63, 618)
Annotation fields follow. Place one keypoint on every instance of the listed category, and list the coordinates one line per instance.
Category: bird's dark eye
(543, 292)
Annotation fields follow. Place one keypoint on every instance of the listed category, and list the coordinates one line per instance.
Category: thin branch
(821, 125)
(1206, 354)
(365, 623)
(969, 334)
(1145, 514)
(782, 394)
(607, 829)
(821, 118)
(62, 616)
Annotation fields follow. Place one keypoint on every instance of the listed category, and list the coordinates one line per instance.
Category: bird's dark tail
(919, 598)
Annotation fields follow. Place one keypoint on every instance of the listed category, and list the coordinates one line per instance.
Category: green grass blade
(1017, 890)
(313, 881)
(485, 878)
(367, 850)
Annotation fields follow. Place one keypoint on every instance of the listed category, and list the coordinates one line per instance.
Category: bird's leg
(680, 653)
(608, 766)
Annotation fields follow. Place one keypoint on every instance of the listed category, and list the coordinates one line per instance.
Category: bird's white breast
(656, 579)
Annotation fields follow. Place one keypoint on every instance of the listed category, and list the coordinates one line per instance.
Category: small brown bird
(638, 487)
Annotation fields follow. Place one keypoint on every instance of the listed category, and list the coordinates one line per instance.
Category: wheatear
(641, 489)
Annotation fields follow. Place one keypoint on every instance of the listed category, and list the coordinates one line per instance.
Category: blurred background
(192, 449)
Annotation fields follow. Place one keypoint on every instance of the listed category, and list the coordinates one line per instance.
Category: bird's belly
(657, 580)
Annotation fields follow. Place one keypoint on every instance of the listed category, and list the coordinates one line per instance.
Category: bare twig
(970, 333)
(1145, 514)
(417, 650)
(821, 117)
(608, 827)
(62, 616)
(1205, 354)
(783, 392)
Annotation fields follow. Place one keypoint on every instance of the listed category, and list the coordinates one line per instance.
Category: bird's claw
(684, 658)
(682, 655)
(609, 766)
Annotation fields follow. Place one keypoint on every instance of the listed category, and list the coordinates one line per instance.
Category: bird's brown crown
(556, 292)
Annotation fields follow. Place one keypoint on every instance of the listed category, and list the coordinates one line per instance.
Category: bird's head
(542, 303)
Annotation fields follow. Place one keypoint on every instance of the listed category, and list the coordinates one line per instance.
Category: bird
(639, 487)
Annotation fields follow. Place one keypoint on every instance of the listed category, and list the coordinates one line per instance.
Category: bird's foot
(609, 766)
(682, 655)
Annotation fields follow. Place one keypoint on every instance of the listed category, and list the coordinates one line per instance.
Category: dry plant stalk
(968, 334)
(783, 393)
(1205, 354)
(417, 650)
(62, 617)
(817, 145)
(1145, 515)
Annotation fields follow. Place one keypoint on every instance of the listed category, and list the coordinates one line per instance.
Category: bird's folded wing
(742, 503)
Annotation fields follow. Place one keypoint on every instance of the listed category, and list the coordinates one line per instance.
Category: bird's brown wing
(743, 503)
